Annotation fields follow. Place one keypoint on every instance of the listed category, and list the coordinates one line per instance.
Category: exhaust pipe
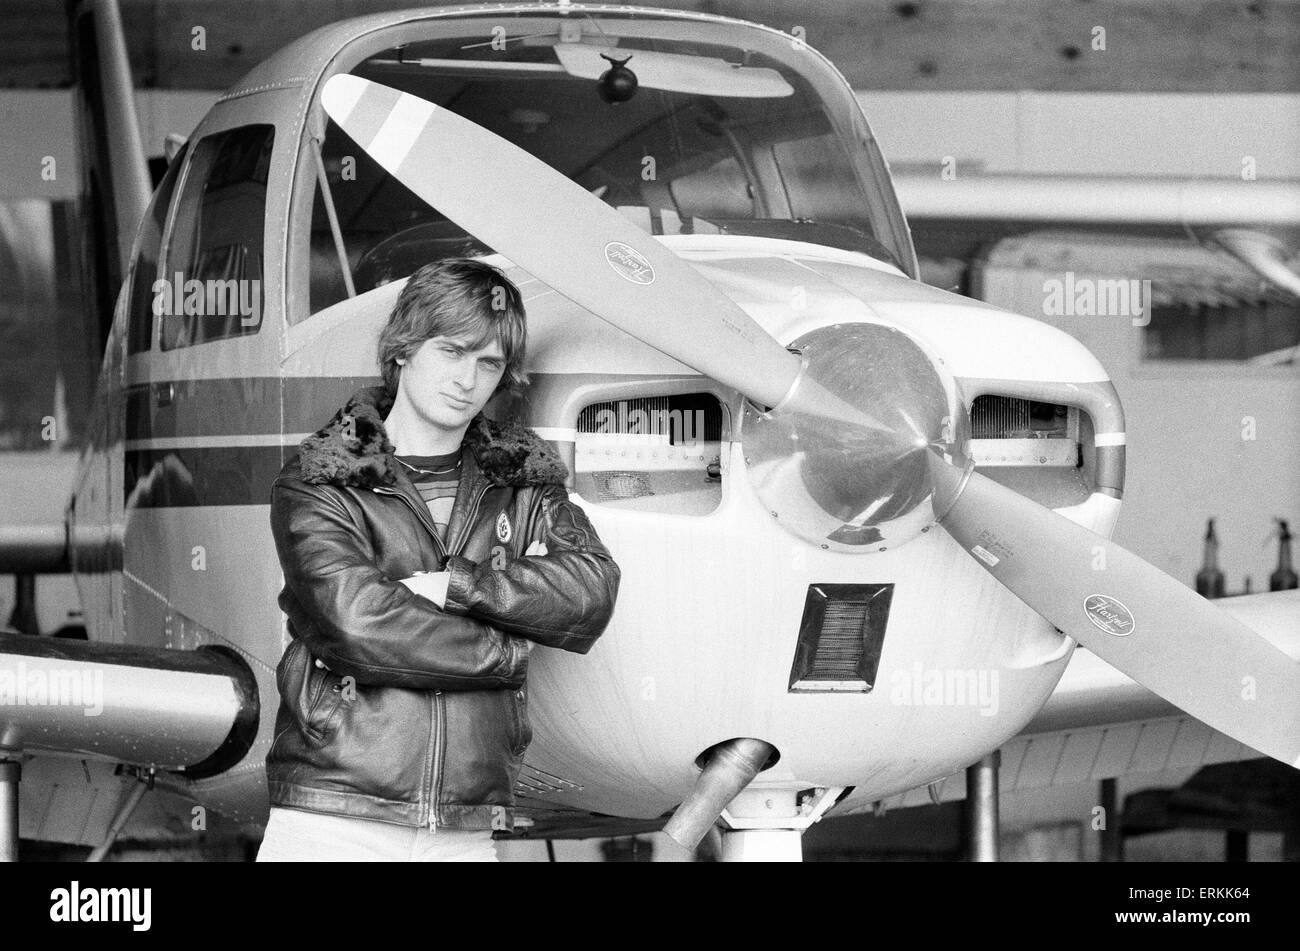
(193, 711)
(728, 768)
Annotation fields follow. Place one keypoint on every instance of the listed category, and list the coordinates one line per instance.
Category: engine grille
(1006, 417)
(841, 637)
(671, 420)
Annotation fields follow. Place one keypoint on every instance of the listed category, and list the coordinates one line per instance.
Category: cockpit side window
(387, 230)
(144, 267)
(211, 288)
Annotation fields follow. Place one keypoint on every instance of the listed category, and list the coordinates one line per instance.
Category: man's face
(447, 383)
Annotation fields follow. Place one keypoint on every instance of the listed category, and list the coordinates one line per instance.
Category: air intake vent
(841, 637)
(686, 419)
(1005, 417)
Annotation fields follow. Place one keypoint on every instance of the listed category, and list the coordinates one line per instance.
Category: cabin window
(145, 265)
(211, 287)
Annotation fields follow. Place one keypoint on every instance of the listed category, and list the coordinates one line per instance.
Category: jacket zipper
(441, 727)
(438, 698)
(439, 715)
(435, 727)
(428, 523)
(423, 517)
(469, 519)
(435, 703)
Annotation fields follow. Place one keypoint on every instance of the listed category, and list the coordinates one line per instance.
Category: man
(425, 550)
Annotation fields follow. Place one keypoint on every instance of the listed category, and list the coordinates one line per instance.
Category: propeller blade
(1128, 612)
(570, 239)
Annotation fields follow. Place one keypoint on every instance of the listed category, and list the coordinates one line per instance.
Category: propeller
(1129, 613)
(574, 242)
(1146, 624)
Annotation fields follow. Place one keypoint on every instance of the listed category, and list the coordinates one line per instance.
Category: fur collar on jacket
(353, 448)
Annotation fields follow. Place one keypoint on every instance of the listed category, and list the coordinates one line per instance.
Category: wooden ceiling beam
(1208, 46)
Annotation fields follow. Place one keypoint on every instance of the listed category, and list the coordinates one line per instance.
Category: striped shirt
(436, 479)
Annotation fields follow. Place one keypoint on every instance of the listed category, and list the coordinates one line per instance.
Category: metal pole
(1112, 836)
(982, 809)
(23, 617)
(1236, 846)
(10, 773)
(1291, 833)
(140, 787)
(128, 170)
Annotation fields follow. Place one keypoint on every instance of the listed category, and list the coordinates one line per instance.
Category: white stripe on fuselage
(216, 442)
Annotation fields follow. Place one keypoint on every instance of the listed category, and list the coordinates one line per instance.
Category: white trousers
(296, 835)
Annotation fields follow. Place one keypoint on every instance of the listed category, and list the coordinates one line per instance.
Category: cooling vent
(621, 484)
(840, 637)
(1004, 417)
(687, 419)
(1008, 431)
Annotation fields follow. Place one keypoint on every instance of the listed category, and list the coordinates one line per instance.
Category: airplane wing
(1100, 724)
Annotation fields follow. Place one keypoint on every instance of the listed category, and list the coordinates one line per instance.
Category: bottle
(74, 628)
(1284, 579)
(1209, 580)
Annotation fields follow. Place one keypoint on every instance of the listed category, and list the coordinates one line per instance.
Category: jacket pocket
(313, 692)
(328, 701)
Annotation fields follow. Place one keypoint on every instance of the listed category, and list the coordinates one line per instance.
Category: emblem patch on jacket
(503, 528)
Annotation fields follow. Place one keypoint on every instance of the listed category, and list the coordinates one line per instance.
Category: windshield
(715, 140)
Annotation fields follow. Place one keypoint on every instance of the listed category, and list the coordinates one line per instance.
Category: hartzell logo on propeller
(1109, 614)
(628, 263)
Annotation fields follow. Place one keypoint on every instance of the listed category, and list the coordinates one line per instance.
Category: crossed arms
(362, 624)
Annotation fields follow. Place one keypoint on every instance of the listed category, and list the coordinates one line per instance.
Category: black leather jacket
(391, 708)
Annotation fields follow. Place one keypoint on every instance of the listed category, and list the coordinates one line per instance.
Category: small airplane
(835, 587)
